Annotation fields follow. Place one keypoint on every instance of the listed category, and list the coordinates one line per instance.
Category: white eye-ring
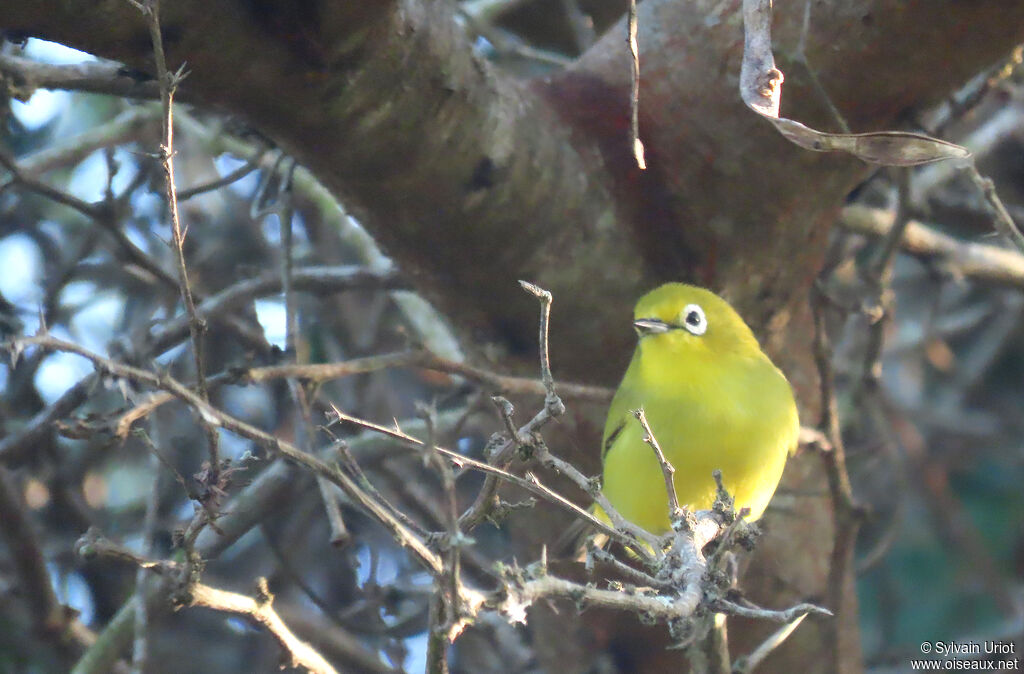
(693, 319)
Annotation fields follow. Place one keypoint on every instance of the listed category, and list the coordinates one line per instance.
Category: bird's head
(687, 319)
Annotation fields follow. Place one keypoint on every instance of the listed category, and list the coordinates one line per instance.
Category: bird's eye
(693, 319)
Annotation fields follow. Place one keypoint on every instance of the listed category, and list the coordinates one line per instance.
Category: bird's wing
(619, 414)
(611, 433)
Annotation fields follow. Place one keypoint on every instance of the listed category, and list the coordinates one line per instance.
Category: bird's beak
(649, 326)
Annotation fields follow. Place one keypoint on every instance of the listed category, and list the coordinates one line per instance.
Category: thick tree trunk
(473, 180)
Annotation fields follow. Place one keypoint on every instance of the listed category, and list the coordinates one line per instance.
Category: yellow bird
(713, 400)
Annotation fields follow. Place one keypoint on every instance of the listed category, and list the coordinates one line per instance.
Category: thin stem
(634, 88)
(197, 326)
(1003, 222)
(545, 316)
(219, 418)
(675, 513)
(530, 483)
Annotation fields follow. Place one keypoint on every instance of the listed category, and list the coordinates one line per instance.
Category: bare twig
(675, 513)
(878, 301)
(349, 464)
(508, 44)
(93, 544)
(780, 616)
(839, 480)
(420, 315)
(168, 83)
(962, 259)
(132, 124)
(101, 77)
(965, 99)
(250, 506)
(304, 435)
(103, 213)
(17, 176)
(335, 642)
(1004, 224)
(684, 567)
(531, 485)
(318, 373)
(445, 611)
(749, 663)
(285, 209)
(619, 523)
(261, 611)
(650, 605)
(542, 340)
(553, 407)
(340, 535)
(15, 445)
(882, 262)
(637, 576)
(521, 592)
(285, 214)
(510, 385)
(320, 280)
(437, 639)
(634, 87)
(233, 177)
(104, 654)
(219, 418)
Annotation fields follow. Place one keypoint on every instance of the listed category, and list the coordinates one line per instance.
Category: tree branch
(261, 611)
(961, 259)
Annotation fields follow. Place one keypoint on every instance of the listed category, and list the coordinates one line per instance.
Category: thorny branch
(486, 500)
(317, 279)
(675, 513)
(446, 614)
(278, 483)
(530, 483)
(284, 207)
(218, 418)
(319, 373)
(168, 83)
(961, 259)
(679, 567)
(680, 571)
(260, 610)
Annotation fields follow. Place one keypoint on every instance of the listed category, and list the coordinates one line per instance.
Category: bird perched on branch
(713, 400)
